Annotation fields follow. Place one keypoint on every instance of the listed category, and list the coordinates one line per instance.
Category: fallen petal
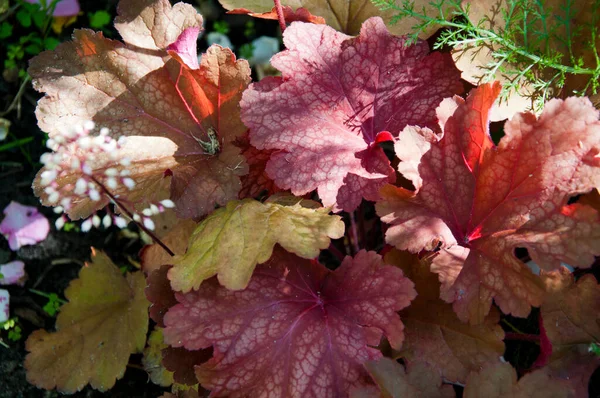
(23, 225)
(12, 273)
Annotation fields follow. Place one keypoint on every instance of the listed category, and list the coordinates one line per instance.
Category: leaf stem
(336, 252)
(354, 234)
(47, 295)
(280, 16)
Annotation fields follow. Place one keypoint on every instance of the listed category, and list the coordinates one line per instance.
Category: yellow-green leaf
(232, 240)
(152, 359)
(105, 320)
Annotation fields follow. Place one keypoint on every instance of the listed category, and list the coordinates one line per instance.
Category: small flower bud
(148, 223)
(168, 203)
(120, 222)
(86, 225)
(60, 223)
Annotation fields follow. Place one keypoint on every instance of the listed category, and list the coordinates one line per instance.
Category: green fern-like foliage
(530, 42)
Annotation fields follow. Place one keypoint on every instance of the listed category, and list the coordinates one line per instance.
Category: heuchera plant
(252, 289)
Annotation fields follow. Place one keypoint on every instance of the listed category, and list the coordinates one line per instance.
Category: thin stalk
(46, 295)
(336, 252)
(130, 215)
(280, 16)
(354, 234)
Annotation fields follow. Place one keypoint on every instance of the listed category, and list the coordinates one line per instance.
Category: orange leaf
(433, 332)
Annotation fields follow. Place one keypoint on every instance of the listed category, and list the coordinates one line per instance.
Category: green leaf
(99, 19)
(221, 27)
(33, 49)
(234, 239)
(595, 348)
(39, 19)
(5, 30)
(53, 304)
(50, 43)
(15, 334)
(246, 51)
(24, 18)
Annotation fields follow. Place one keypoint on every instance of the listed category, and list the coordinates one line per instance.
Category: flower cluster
(93, 169)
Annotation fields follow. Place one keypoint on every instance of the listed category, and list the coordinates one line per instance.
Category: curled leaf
(232, 240)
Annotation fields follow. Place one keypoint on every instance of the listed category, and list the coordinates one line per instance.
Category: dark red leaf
(296, 330)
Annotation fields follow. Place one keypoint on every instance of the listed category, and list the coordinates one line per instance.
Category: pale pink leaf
(336, 94)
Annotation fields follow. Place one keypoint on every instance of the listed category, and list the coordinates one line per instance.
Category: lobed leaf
(571, 324)
(152, 360)
(154, 256)
(499, 380)
(296, 330)
(346, 17)
(337, 94)
(232, 240)
(105, 320)
(434, 334)
(479, 202)
(393, 381)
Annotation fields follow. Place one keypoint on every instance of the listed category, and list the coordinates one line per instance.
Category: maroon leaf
(181, 362)
(159, 293)
(296, 330)
(336, 94)
(256, 181)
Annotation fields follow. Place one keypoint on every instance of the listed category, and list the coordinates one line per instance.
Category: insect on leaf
(180, 117)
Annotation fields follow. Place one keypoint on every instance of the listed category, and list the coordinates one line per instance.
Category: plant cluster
(253, 286)
(549, 46)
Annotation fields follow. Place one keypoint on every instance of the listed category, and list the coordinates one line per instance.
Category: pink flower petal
(64, 8)
(23, 225)
(12, 273)
(4, 298)
(185, 47)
